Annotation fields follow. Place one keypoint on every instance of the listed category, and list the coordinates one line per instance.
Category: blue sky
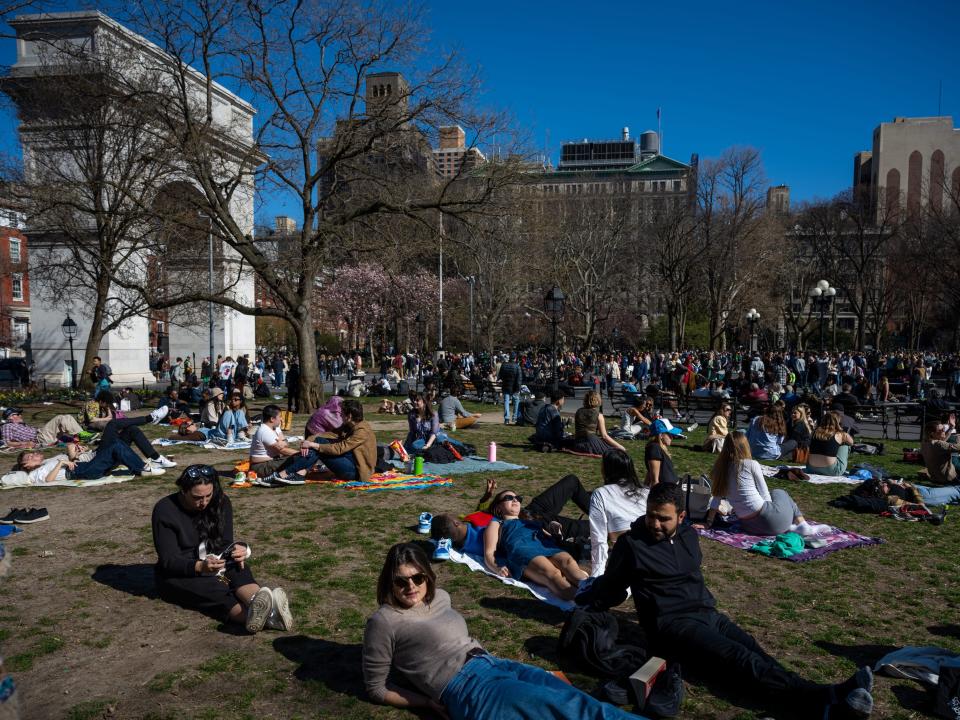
(806, 83)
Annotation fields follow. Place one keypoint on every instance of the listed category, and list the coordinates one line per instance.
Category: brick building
(14, 284)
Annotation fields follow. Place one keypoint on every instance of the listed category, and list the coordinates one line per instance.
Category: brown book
(643, 679)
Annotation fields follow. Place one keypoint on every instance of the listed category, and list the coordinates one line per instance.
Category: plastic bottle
(492, 452)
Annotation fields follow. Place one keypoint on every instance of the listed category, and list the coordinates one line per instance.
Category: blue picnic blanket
(470, 464)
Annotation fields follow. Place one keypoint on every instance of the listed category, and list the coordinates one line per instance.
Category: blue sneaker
(443, 549)
(426, 520)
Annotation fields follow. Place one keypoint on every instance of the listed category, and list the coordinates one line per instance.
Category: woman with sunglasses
(521, 542)
(418, 637)
(199, 565)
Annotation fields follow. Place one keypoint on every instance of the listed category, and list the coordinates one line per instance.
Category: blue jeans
(507, 417)
(491, 688)
(107, 458)
(298, 462)
(343, 466)
(939, 495)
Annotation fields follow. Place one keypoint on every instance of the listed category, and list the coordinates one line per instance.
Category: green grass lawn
(86, 638)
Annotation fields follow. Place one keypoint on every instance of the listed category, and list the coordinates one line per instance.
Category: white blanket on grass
(235, 445)
(771, 470)
(19, 479)
(538, 591)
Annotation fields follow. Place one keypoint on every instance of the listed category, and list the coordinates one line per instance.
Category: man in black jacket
(659, 560)
(510, 380)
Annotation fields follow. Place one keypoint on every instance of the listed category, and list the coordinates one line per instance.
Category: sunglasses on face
(200, 471)
(401, 582)
(511, 498)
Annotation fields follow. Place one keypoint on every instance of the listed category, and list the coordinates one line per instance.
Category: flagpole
(659, 131)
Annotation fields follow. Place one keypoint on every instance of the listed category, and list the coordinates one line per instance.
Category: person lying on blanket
(418, 638)
(659, 559)
(529, 555)
(109, 455)
(568, 533)
(907, 496)
(737, 477)
(17, 434)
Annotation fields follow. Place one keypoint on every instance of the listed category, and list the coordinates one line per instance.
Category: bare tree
(741, 242)
(675, 258)
(341, 153)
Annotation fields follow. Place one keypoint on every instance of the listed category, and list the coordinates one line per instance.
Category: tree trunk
(311, 383)
(95, 336)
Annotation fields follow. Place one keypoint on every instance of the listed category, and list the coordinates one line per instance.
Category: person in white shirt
(737, 477)
(268, 448)
(614, 506)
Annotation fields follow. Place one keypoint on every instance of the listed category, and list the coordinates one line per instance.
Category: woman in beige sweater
(718, 428)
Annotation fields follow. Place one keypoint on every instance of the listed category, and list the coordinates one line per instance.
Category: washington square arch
(52, 51)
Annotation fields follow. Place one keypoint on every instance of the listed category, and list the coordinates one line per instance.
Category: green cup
(418, 465)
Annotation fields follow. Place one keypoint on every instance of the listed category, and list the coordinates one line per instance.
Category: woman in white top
(614, 506)
(736, 477)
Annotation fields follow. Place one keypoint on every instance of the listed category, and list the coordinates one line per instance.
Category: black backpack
(588, 642)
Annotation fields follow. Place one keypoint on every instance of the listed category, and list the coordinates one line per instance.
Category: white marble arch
(127, 349)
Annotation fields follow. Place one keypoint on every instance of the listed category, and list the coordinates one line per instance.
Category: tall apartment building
(778, 200)
(453, 157)
(914, 162)
(14, 284)
(284, 224)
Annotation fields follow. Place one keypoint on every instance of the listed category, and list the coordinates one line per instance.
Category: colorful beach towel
(538, 591)
(390, 481)
(772, 470)
(832, 541)
(471, 464)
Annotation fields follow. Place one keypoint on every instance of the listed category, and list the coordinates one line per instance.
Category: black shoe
(11, 517)
(32, 515)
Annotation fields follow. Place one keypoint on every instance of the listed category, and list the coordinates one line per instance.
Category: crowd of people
(417, 652)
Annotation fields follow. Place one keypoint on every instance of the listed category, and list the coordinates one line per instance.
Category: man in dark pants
(659, 560)
(510, 379)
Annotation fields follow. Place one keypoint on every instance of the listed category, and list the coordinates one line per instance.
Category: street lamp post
(753, 317)
(420, 326)
(69, 329)
(473, 281)
(821, 295)
(553, 306)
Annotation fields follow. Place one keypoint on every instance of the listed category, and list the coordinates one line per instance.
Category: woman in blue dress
(530, 553)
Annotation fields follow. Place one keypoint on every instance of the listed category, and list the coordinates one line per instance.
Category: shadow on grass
(334, 665)
(944, 630)
(915, 697)
(136, 579)
(526, 609)
(859, 654)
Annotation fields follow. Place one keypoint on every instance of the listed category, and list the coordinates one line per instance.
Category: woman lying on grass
(417, 636)
(526, 554)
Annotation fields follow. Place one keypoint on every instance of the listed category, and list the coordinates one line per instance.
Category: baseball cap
(11, 411)
(665, 426)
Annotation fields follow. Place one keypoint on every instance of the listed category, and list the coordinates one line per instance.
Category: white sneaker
(281, 618)
(164, 462)
(150, 469)
(259, 610)
(159, 414)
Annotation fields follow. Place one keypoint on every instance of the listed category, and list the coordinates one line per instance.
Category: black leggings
(126, 430)
(547, 506)
(205, 592)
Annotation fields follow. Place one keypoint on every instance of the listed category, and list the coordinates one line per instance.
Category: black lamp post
(420, 330)
(69, 329)
(553, 306)
(821, 296)
(753, 317)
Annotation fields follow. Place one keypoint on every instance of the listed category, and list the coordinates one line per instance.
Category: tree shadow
(859, 654)
(944, 630)
(526, 609)
(915, 697)
(136, 579)
(336, 666)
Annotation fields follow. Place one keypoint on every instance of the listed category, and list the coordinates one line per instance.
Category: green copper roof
(658, 163)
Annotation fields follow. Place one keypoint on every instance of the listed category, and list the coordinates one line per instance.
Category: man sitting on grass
(269, 454)
(659, 560)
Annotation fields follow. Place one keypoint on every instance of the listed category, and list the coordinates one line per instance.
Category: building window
(14, 250)
(20, 329)
(16, 285)
(676, 186)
